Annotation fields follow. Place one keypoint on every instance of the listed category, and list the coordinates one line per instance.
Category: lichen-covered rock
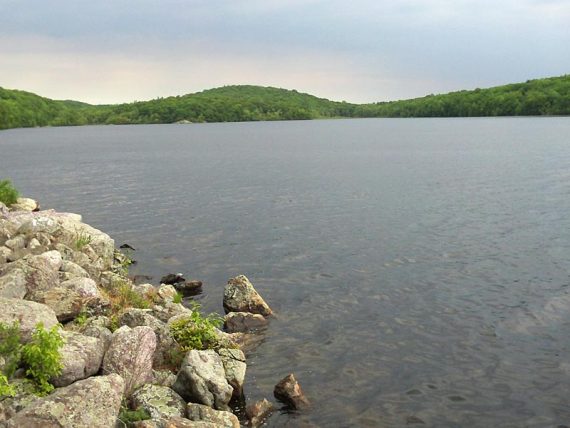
(13, 284)
(159, 401)
(70, 270)
(289, 392)
(258, 412)
(163, 378)
(240, 296)
(101, 333)
(92, 402)
(222, 419)
(202, 379)
(169, 310)
(25, 204)
(243, 322)
(81, 357)
(28, 314)
(23, 397)
(178, 422)
(71, 297)
(165, 343)
(130, 355)
(234, 367)
(166, 292)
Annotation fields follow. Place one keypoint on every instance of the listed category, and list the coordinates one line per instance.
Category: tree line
(550, 96)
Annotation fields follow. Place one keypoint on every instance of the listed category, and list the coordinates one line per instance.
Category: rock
(130, 355)
(200, 412)
(234, 367)
(169, 310)
(16, 243)
(24, 396)
(71, 297)
(166, 292)
(81, 357)
(126, 247)
(144, 289)
(5, 255)
(172, 278)
(25, 204)
(93, 402)
(35, 247)
(189, 287)
(243, 322)
(159, 401)
(163, 378)
(13, 284)
(28, 314)
(72, 270)
(202, 379)
(240, 296)
(142, 317)
(35, 225)
(101, 333)
(289, 392)
(178, 422)
(258, 412)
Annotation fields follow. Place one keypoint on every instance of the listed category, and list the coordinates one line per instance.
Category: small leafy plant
(129, 417)
(8, 193)
(42, 358)
(83, 239)
(196, 331)
(177, 298)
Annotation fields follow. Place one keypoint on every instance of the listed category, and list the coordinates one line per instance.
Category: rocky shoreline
(128, 349)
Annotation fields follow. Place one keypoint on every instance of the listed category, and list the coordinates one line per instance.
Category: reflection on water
(419, 268)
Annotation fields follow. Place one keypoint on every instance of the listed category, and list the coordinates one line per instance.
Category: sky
(111, 51)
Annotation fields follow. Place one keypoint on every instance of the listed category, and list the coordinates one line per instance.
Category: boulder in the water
(172, 278)
(289, 392)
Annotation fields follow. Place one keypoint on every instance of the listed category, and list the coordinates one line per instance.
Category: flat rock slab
(93, 402)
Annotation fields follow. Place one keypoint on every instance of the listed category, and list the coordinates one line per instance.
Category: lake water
(419, 268)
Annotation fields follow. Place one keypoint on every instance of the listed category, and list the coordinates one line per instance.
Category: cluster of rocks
(55, 269)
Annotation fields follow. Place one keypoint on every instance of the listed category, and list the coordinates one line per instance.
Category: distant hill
(549, 96)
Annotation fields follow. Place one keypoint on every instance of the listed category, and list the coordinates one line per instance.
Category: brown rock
(240, 296)
(289, 392)
(258, 412)
(243, 322)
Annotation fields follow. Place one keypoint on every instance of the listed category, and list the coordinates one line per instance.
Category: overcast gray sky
(108, 51)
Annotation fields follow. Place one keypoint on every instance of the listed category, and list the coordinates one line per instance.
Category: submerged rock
(202, 379)
(172, 278)
(240, 296)
(258, 412)
(189, 287)
(244, 322)
(93, 402)
(289, 392)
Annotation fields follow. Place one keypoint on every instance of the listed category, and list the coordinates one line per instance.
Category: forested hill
(248, 103)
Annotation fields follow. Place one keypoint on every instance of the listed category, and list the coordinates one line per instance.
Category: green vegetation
(82, 240)
(129, 417)
(177, 298)
(40, 357)
(196, 331)
(8, 193)
(550, 96)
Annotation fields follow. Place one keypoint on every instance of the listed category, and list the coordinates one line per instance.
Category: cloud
(362, 50)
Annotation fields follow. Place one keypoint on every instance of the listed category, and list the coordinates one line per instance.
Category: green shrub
(177, 298)
(10, 348)
(42, 357)
(128, 417)
(82, 240)
(8, 194)
(197, 332)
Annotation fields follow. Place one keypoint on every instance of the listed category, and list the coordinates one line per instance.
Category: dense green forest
(549, 96)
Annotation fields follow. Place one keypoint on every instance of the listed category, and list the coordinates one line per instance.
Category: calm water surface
(419, 268)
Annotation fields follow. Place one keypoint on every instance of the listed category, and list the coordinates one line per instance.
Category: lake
(419, 268)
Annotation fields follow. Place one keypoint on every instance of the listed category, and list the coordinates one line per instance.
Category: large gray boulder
(81, 357)
(130, 354)
(28, 314)
(71, 297)
(234, 367)
(93, 402)
(240, 296)
(202, 379)
(201, 413)
(159, 401)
